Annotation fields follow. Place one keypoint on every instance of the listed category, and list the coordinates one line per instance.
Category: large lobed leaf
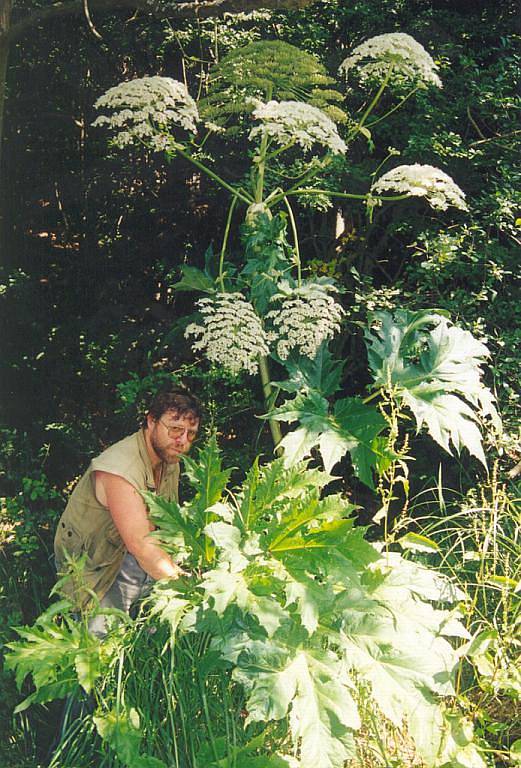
(322, 374)
(311, 685)
(353, 426)
(435, 368)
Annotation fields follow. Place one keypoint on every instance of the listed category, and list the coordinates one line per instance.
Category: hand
(179, 572)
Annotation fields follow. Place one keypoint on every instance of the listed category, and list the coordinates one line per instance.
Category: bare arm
(130, 517)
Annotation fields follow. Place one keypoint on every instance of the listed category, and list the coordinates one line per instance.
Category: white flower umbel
(306, 316)
(230, 332)
(408, 57)
(417, 180)
(145, 109)
(287, 122)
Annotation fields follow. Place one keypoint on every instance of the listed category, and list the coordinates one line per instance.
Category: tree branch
(157, 8)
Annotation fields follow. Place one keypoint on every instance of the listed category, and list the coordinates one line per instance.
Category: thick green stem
(373, 396)
(280, 150)
(261, 161)
(225, 241)
(372, 105)
(295, 238)
(396, 107)
(261, 167)
(348, 195)
(303, 177)
(276, 433)
(202, 167)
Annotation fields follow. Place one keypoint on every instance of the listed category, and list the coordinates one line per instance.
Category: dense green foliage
(307, 616)
(102, 247)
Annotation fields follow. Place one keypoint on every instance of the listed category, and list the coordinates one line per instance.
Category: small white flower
(142, 110)
(408, 57)
(230, 332)
(306, 317)
(294, 121)
(417, 180)
(213, 127)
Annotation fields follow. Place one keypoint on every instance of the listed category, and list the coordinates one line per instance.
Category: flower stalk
(267, 389)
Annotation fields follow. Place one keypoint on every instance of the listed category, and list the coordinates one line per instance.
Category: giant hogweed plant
(301, 616)
(260, 305)
(306, 625)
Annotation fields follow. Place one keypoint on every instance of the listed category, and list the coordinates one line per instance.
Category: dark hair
(176, 399)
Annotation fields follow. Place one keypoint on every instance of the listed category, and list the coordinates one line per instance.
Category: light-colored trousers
(130, 585)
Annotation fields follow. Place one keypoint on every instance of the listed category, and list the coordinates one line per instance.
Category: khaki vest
(86, 526)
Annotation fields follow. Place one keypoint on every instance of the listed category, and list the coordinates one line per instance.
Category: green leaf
(268, 257)
(229, 754)
(416, 542)
(47, 651)
(480, 643)
(436, 371)
(194, 279)
(515, 750)
(396, 667)
(360, 424)
(294, 520)
(298, 444)
(458, 747)
(227, 538)
(322, 374)
(183, 528)
(174, 530)
(206, 475)
(315, 689)
(266, 761)
(270, 487)
(49, 692)
(502, 581)
(310, 409)
(121, 730)
(333, 445)
(168, 605)
(223, 587)
(353, 427)
(448, 420)
(311, 597)
(386, 629)
(88, 666)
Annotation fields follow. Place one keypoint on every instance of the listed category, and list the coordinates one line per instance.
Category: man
(106, 518)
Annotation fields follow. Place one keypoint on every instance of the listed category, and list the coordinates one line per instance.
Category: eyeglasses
(176, 431)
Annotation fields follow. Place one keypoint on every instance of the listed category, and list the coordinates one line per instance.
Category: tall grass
(479, 545)
(190, 712)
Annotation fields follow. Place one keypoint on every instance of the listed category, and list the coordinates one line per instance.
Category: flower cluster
(231, 332)
(409, 59)
(287, 122)
(143, 109)
(306, 316)
(417, 180)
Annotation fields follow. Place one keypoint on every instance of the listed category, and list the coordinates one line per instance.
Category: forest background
(93, 242)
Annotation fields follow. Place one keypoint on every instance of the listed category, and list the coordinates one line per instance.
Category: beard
(167, 454)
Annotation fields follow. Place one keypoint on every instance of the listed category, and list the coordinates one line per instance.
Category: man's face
(172, 435)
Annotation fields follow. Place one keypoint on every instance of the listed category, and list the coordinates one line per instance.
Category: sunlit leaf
(416, 542)
(322, 374)
(436, 370)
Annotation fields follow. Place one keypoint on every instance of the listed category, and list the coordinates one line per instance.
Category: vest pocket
(106, 548)
(69, 540)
